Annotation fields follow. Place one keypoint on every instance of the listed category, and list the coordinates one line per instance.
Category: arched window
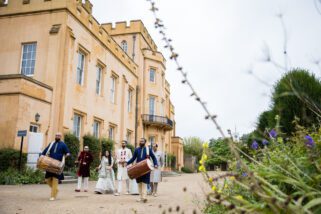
(124, 46)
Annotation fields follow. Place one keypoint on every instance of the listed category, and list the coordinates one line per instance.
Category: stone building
(61, 70)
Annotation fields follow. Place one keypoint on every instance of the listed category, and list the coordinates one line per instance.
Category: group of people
(146, 184)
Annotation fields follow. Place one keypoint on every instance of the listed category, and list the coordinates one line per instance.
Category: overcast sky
(218, 42)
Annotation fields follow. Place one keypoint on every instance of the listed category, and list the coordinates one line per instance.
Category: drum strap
(48, 151)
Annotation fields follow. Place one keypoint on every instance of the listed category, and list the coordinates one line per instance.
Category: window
(33, 128)
(152, 140)
(80, 68)
(129, 100)
(113, 89)
(98, 80)
(28, 59)
(151, 105)
(162, 108)
(124, 46)
(152, 74)
(96, 127)
(129, 136)
(77, 125)
(111, 132)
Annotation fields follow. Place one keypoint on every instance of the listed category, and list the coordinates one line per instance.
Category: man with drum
(122, 156)
(142, 153)
(57, 150)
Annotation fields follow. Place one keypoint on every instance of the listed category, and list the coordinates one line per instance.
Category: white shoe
(116, 194)
(52, 199)
(139, 200)
(127, 193)
(155, 195)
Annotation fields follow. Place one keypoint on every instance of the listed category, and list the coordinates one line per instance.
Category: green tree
(193, 146)
(266, 121)
(219, 152)
(297, 94)
(94, 147)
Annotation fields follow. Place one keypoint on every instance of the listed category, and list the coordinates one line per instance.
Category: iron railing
(157, 120)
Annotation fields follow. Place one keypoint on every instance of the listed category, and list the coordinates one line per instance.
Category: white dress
(106, 181)
(122, 155)
(156, 174)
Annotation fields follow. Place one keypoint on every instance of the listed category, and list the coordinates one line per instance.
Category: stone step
(67, 177)
(69, 181)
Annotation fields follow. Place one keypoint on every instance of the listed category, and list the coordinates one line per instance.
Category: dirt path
(34, 199)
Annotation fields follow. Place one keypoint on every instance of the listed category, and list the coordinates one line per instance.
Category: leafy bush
(186, 170)
(107, 144)
(193, 146)
(12, 176)
(171, 161)
(94, 147)
(219, 152)
(131, 147)
(73, 144)
(9, 158)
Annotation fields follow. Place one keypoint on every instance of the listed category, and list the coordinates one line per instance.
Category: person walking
(84, 160)
(141, 153)
(56, 150)
(106, 181)
(122, 156)
(156, 174)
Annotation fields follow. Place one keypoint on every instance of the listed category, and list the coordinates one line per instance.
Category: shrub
(9, 158)
(171, 161)
(73, 144)
(219, 152)
(186, 170)
(94, 147)
(193, 146)
(107, 144)
(131, 147)
(12, 176)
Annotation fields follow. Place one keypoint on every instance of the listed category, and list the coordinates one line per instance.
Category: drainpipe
(136, 115)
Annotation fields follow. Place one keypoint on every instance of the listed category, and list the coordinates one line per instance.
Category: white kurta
(122, 155)
(156, 174)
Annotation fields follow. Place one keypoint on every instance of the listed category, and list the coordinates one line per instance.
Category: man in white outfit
(122, 156)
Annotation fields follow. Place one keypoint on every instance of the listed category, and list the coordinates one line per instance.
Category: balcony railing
(159, 121)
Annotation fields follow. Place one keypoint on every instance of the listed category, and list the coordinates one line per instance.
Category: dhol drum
(140, 169)
(49, 164)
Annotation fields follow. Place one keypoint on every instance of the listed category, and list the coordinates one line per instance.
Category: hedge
(73, 144)
(9, 158)
(95, 148)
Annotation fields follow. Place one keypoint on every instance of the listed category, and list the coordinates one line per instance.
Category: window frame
(79, 124)
(130, 100)
(31, 59)
(82, 76)
(151, 97)
(99, 69)
(97, 134)
(150, 72)
(124, 46)
(37, 126)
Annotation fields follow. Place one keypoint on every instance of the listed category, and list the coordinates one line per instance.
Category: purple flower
(309, 142)
(244, 174)
(273, 133)
(255, 145)
(265, 142)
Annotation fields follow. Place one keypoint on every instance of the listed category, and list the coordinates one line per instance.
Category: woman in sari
(106, 181)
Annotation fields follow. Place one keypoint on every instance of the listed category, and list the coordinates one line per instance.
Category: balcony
(157, 121)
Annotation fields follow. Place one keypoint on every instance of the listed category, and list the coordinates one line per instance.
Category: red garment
(85, 159)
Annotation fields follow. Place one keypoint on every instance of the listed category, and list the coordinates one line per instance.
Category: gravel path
(33, 199)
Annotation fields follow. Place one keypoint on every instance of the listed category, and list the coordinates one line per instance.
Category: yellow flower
(239, 197)
(214, 188)
(204, 157)
(232, 178)
(205, 145)
(201, 168)
(219, 191)
(225, 186)
(210, 180)
(201, 162)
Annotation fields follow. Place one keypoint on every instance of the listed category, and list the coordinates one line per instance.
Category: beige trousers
(53, 184)
(142, 188)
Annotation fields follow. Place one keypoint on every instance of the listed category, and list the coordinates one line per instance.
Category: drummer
(57, 151)
(140, 154)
